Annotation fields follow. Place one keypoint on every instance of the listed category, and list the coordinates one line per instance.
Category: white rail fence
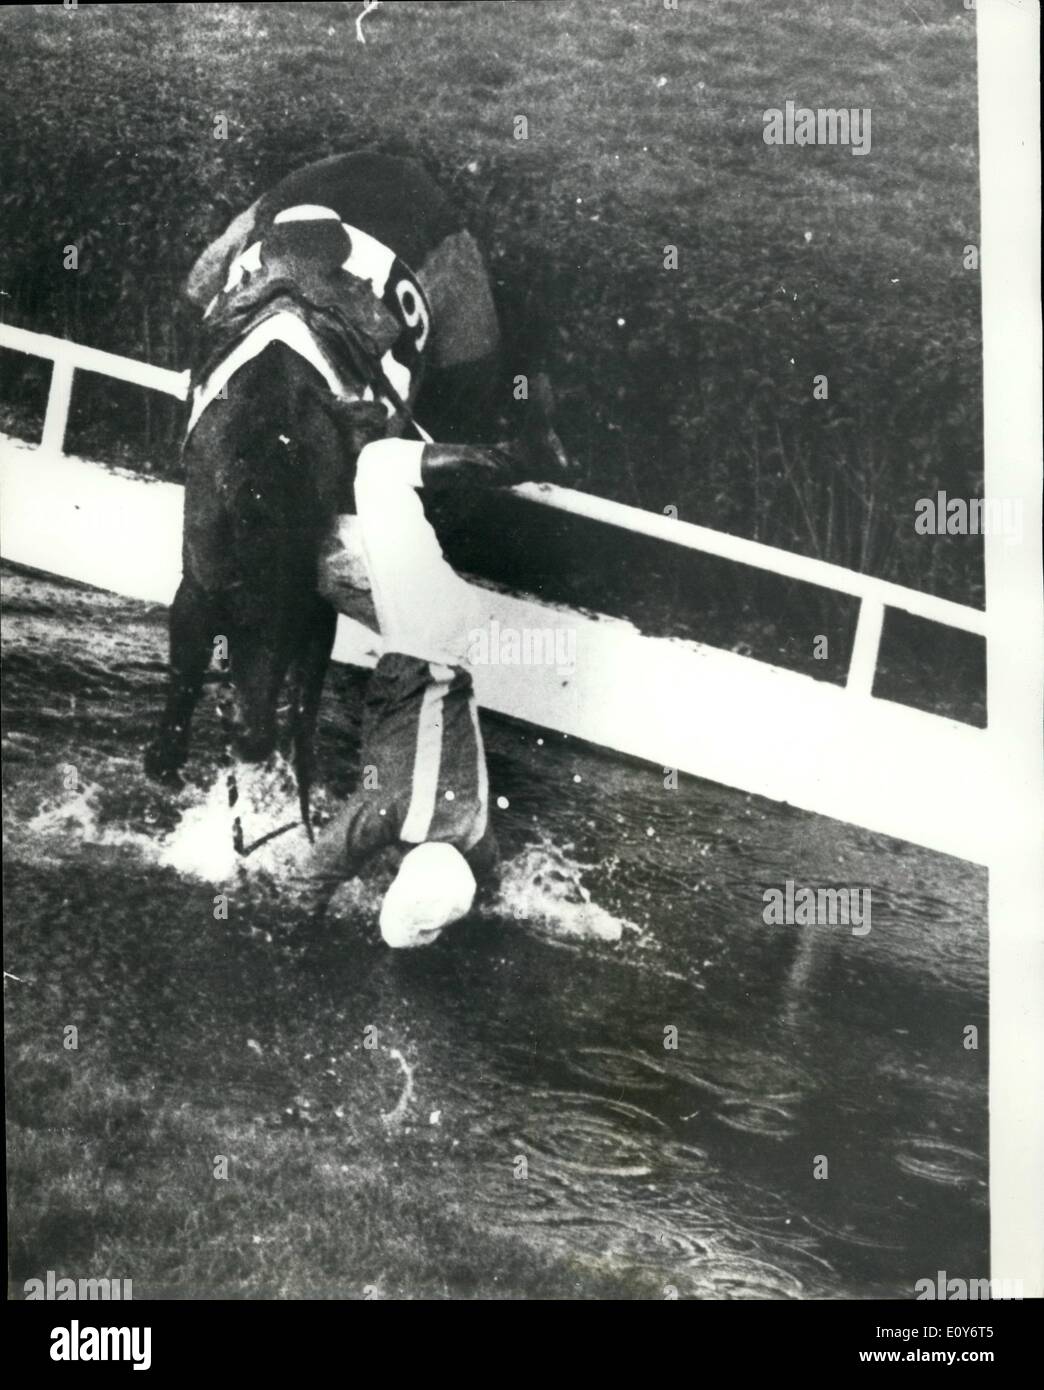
(67, 358)
(875, 595)
(834, 750)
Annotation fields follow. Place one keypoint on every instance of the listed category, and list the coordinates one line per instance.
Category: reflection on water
(624, 1061)
(940, 1162)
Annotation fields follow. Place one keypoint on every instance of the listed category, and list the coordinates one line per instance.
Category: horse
(317, 336)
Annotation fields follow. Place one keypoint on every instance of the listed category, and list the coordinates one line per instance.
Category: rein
(244, 850)
(338, 336)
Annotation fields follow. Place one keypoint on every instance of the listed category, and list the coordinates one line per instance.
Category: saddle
(361, 304)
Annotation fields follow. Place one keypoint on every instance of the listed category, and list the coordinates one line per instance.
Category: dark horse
(267, 472)
(269, 460)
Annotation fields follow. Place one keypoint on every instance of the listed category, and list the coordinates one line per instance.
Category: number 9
(414, 313)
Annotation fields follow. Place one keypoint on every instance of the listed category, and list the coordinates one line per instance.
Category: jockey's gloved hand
(473, 465)
(536, 455)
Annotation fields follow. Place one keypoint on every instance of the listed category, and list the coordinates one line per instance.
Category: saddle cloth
(367, 251)
(362, 305)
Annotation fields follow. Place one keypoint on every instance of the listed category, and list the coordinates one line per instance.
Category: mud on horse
(327, 303)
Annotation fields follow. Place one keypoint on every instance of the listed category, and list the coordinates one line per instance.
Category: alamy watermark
(78, 1342)
(956, 1290)
(801, 125)
(55, 1286)
(496, 645)
(797, 906)
(980, 516)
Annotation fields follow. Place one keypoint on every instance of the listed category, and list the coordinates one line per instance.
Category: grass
(689, 387)
(131, 1192)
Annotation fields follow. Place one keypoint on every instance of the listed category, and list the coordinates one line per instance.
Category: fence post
(57, 417)
(863, 664)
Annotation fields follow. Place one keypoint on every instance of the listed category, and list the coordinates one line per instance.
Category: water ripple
(628, 1068)
(757, 1117)
(588, 1135)
(728, 1276)
(941, 1162)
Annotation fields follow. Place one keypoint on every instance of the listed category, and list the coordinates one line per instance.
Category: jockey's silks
(361, 303)
(368, 239)
(423, 607)
(393, 200)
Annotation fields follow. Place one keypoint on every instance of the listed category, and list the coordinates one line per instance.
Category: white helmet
(433, 888)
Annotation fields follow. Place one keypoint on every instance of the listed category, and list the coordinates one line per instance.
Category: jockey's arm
(421, 604)
(394, 463)
(536, 454)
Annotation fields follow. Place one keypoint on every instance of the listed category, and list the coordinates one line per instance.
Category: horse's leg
(259, 655)
(307, 673)
(191, 646)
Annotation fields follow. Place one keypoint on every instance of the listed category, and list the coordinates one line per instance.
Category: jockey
(425, 788)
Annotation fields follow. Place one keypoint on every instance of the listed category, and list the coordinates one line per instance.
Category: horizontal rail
(765, 557)
(77, 357)
(876, 594)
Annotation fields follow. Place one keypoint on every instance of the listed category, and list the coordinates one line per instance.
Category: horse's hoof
(161, 766)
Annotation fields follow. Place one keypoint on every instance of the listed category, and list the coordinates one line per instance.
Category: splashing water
(265, 805)
(540, 890)
(202, 843)
(541, 886)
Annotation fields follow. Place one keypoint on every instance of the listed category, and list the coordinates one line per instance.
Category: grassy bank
(687, 387)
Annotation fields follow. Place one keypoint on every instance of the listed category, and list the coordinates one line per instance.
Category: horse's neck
(279, 330)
